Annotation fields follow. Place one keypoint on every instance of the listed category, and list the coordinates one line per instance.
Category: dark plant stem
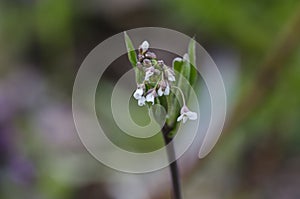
(173, 166)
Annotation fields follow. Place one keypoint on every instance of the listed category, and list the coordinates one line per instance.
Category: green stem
(173, 166)
(182, 95)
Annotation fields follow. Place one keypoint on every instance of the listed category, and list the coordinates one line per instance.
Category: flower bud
(160, 63)
(147, 62)
(156, 72)
(140, 57)
(150, 55)
(139, 65)
(144, 47)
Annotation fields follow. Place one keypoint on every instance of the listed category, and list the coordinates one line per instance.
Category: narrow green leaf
(183, 69)
(177, 64)
(133, 58)
(192, 56)
(186, 76)
(130, 50)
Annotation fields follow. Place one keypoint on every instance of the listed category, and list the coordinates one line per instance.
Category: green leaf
(133, 58)
(182, 68)
(130, 50)
(192, 57)
(186, 73)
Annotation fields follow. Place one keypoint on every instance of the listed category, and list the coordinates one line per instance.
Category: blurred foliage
(251, 25)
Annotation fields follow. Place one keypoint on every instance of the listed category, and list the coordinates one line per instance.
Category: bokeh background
(256, 45)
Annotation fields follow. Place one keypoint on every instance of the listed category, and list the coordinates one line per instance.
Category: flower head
(162, 80)
(186, 114)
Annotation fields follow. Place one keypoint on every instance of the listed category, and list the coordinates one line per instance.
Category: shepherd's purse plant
(159, 83)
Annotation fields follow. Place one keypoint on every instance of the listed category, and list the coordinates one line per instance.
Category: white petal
(147, 77)
(150, 98)
(167, 90)
(160, 92)
(145, 46)
(180, 118)
(171, 72)
(141, 101)
(171, 78)
(186, 57)
(138, 93)
(191, 115)
(149, 73)
(185, 118)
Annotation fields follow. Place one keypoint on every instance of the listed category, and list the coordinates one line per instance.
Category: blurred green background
(255, 43)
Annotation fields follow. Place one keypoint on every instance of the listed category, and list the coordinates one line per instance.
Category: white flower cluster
(157, 81)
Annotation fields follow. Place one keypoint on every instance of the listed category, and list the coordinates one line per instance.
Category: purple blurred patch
(21, 171)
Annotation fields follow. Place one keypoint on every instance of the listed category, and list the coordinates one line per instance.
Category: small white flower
(171, 78)
(139, 92)
(149, 72)
(167, 90)
(186, 114)
(144, 47)
(170, 75)
(151, 95)
(160, 91)
(150, 98)
(141, 101)
(164, 88)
